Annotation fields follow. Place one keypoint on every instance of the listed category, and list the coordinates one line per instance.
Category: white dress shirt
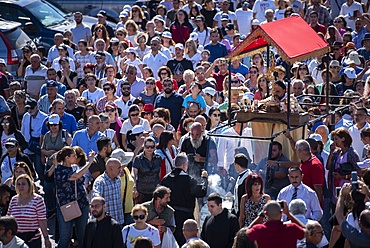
(306, 194)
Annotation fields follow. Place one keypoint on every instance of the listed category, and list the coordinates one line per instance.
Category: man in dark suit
(241, 166)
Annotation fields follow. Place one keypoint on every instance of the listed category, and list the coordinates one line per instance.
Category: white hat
(316, 137)
(240, 77)
(127, 8)
(350, 73)
(255, 22)
(123, 14)
(167, 34)
(123, 157)
(131, 50)
(179, 45)
(353, 58)
(248, 95)
(138, 129)
(209, 90)
(54, 119)
(159, 18)
(194, 36)
(2, 61)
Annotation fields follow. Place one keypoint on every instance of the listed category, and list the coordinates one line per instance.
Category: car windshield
(47, 15)
(18, 38)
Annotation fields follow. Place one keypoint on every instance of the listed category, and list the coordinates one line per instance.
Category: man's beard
(196, 143)
(97, 214)
(126, 93)
(78, 22)
(168, 91)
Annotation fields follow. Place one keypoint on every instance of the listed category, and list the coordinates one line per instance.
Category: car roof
(18, 2)
(8, 25)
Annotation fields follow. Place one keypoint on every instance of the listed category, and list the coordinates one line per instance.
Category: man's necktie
(294, 196)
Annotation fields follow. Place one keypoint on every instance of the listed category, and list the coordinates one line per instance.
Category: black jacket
(184, 188)
(21, 157)
(21, 140)
(105, 233)
(219, 231)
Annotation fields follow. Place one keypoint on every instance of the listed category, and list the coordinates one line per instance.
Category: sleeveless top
(252, 209)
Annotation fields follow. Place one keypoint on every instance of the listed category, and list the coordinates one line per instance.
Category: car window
(8, 13)
(45, 14)
(17, 38)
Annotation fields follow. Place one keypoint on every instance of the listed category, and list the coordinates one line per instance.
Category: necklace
(55, 139)
(23, 201)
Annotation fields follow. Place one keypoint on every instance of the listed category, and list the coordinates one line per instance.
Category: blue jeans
(49, 197)
(325, 218)
(65, 228)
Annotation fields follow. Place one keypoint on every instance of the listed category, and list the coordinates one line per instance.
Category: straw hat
(140, 35)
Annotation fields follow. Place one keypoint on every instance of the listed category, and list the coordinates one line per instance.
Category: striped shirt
(28, 216)
(110, 190)
(35, 79)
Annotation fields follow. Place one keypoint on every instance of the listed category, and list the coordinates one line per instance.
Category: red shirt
(313, 172)
(276, 234)
(219, 80)
(319, 28)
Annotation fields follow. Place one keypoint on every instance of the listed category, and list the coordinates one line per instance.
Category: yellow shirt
(129, 203)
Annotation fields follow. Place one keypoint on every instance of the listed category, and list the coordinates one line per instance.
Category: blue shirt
(61, 89)
(242, 69)
(217, 51)
(82, 139)
(69, 124)
(189, 99)
(173, 104)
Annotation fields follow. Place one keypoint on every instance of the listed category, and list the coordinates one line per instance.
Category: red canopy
(294, 39)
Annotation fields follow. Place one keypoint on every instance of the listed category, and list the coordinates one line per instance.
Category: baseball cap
(229, 26)
(209, 90)
(54, 119)
(159, 18)
(148, 107)
(2, 61)
(12, 142)
(102, 13)
(110, 105)
(179, 45)
(224, 17)
(138, 129)
(316, 137)
(123, 14)
(167, 34)
(51, 83)
(350, 73)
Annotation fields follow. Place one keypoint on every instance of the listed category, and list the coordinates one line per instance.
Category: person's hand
(91, 156)
(346, 188)
(140, 141)
(204, 174)
(332, 147)
(221, 171)
(47, 243)
(77, 64)
(270, 163)
(285, 208)
(337, 176)
(135, 193)
(162, 229)
(287, 134)
(363, 188)
(216, 62)
(158, 222)
(23, 61)
(197, 157)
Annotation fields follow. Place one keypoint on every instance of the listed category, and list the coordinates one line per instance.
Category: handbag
(70, 210)
(345, 168)
(34, 143)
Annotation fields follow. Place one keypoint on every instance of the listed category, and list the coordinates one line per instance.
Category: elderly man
(160, 214)
(360, 123)
(137, 84)
(323, 131)
(71, 104)
(184, 189)
(53, 51)
(108, 186)
(45, 101)
(201, 150)
(155, 59)
(35, 76)
(87, 138)
(298, 190)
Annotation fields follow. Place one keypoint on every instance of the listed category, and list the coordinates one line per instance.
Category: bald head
(323, 131)
(193, 109)
(365, 221)
(273, 210)
(202, 120)
(190, 229)
(157, 130)
(113, 167)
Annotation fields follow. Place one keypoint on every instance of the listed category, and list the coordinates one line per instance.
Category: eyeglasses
(216, 115)
(148, 113)
(150, 147)
(164, 73)
(150, 83)
(107, 89)
(95, 206)
(333, 67)
(9, 146)
(5, 124)
(110, 110)
(302, 69)
(141, 217)
(154, 44)
(89, 109)
(126, 88)
(119, 34)
(253, 72)
(306, 81)
(167, 85)
(234, 82)
(134, 115)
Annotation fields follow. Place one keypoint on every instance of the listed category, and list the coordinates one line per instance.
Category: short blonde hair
(188, 73)
(29, 181)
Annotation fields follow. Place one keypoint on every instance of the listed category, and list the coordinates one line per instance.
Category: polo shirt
(216, 51)
(61, 89)
(53, 53)
(137, 87)
(35, 79)
(124, 106)
(69, 124)
(275, 232)
(82, 32)
(313, 172)
(81, 138)
(173, 103)
(155, 62)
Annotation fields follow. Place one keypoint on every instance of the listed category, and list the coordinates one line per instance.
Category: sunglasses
(107, 89)
(253, 72)
(154, 44)
(110, 110)
(99, 30)
(336, 49)
(216, 115)
(302, 69)
(167, 85)
(9, 146)
(148, 113)
(234, 82)
(164, 73)
(53, 125)
(150, 147)
(5, 124)
(126, 88)
(150, 83)
(89, 109)
(119, 34)
(141, 217)
(333, 67)
(134, 115)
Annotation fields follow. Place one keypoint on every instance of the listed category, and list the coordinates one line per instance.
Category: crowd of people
(112, 132)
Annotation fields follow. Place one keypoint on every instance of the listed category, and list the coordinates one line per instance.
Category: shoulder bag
(70, 210)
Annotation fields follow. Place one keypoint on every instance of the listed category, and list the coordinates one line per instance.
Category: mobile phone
(338, 190)
(354, 180)
(281, 204)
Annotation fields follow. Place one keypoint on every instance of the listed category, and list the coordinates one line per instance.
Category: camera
(281, 203)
